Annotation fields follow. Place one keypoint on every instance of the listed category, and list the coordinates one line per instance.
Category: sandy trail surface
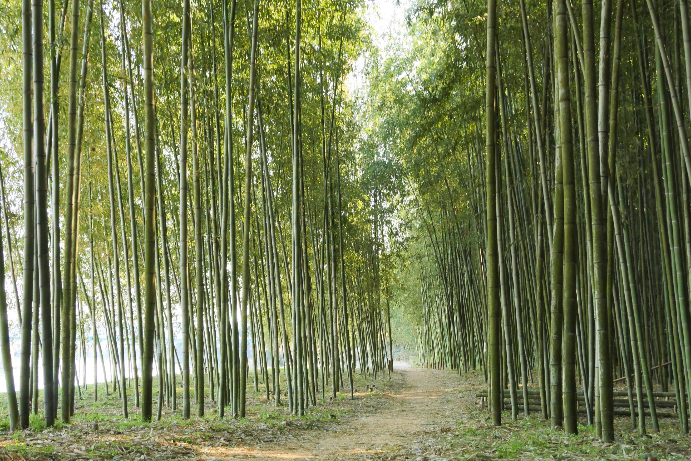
(421, 401)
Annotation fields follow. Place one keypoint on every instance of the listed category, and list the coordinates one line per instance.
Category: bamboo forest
(345, 229)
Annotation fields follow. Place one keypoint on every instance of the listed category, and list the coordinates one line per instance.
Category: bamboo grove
(544, 151)
(195, 206)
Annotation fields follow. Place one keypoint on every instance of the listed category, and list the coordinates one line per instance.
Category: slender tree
(493, 289)
(247, 214)
(184, 113)
(149, 232)
(5, 347)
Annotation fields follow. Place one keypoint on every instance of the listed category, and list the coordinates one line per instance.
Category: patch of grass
(89, 417)
(265, 414)
(31, 451)
(36, 423)
(103, 450)
(130, 423)
(533, 438)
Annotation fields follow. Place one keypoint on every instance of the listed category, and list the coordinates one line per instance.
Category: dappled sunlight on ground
(252, 452)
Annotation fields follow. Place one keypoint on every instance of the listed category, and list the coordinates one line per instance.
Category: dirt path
(420, 414)
(423, 400)
(414, 414)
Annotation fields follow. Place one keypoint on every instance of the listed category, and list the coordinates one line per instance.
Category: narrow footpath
(424, 400)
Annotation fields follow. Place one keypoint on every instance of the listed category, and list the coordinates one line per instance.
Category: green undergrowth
(98, 429)
(468, 434)
(533, 438)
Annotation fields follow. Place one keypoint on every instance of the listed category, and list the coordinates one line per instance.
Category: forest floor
(417, 414)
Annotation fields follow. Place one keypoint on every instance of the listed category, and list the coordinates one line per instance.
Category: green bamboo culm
(66, 311)
(247, 211)
(493, 287)
(149, 232)
(570, 237)
(604, 412)
(5, 348)
(184, 282)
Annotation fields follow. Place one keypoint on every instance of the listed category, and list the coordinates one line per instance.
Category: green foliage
(530, 438)
(126, 424)
(37, 423)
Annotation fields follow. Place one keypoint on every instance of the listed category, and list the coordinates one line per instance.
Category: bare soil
(419, 401)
